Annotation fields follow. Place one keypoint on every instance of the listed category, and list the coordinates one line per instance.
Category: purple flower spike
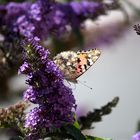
(56, 104)
(45, 17)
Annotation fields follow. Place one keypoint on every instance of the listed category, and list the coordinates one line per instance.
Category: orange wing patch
(74, 64)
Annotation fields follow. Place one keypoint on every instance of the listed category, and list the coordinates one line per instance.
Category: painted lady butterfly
(73, 64)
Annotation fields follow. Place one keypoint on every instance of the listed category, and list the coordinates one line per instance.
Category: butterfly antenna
(70, 85)
(74, 86)
(68, 82)
(85, 84)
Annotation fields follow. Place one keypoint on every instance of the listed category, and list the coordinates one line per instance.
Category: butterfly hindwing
(74, 64)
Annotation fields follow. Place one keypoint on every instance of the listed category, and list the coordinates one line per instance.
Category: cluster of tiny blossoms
(13, 114)
(44, 17)
(56, 17)
(56, 104)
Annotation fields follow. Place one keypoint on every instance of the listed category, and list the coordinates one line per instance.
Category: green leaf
(74, 132)
(76, 124)
(96, 138)
(97, 114)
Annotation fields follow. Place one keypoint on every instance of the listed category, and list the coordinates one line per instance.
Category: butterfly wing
(74, 64)
(67, 63)
(85, 60)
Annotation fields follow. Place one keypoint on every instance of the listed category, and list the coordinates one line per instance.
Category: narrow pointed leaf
(74, 132)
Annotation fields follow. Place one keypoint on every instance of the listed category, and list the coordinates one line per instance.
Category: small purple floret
(136, 136)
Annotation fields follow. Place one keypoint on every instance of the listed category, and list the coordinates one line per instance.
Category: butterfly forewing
(86, 60)
(74, 64)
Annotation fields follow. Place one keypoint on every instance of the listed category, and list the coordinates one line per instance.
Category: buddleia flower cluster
(44, 17)
(56, 103)
(56, 17)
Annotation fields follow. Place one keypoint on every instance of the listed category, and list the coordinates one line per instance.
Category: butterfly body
(73, 64)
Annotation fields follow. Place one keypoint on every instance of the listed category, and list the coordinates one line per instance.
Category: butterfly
(74, 64)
